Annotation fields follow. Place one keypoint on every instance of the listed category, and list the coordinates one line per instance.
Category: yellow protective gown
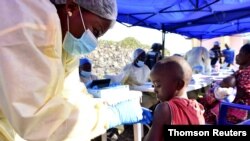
(41, 98)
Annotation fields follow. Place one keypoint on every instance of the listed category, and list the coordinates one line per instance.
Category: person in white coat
(198, 58)
(41, 96)
(136, 73)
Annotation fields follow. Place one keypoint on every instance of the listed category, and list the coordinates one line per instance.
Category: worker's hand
(147, 116)
(197, 69)
(127, 112)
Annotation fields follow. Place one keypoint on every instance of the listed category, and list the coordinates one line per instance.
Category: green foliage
(129, 42)
(107, 42)
(166, 52)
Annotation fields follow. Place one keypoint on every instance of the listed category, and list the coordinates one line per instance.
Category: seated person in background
(228, 54)
(242, 77)
(199, 60)
(85, 71)
(215, 54)
(154, 55)
(135, 73)
(170, 77)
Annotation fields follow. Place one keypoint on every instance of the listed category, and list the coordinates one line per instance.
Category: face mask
(140, 63)
(85, 74)
(84, 45)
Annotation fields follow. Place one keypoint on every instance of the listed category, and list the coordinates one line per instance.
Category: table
(200, 81)
(148, 86)
(217, 76)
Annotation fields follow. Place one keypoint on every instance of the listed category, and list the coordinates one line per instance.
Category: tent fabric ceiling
(201, 19)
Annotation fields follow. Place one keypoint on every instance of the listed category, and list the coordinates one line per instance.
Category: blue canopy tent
(201, 19)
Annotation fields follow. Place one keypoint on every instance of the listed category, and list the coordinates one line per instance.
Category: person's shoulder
(162, 108)
(162, 112)
(127, 66)
(146, 67)
(163, 105)
(232, 50)
(203, 50)
(243, 71)
(225, 51)
(212, 49)
(151, 53)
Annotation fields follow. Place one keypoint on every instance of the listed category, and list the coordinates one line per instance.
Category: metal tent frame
(201, 19)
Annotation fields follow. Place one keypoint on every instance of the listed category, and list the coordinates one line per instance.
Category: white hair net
(137, 52)
(216, 43)
(106, 9)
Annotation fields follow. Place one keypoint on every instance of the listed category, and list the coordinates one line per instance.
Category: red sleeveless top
(186, 112)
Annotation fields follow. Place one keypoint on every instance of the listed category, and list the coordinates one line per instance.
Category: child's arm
(162, 116)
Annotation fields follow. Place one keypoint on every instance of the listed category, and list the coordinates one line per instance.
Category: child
(171, 77)
(225, 90)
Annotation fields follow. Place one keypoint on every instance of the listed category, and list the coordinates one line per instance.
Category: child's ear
(180, 84)
(71, 7)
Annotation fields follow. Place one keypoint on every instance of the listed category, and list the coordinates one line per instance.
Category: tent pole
(201, 41)
(163, 42)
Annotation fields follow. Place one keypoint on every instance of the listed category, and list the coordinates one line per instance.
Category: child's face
(165, 84)
(242, 58)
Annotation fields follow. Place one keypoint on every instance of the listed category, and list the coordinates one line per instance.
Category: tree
(130, 42)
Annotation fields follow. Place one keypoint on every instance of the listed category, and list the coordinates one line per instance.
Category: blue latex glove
(147, 116)
(197, 69)
(127, 112)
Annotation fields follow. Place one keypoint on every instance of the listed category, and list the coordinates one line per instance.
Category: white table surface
(200, 81)
(148, 87)
(220, 75)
